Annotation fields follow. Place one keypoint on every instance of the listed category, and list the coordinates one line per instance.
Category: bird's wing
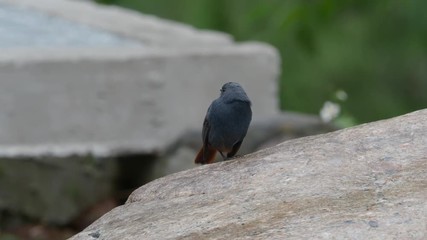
(205, 132)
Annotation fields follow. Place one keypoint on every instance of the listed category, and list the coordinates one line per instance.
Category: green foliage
(8, 237)
(376, 51)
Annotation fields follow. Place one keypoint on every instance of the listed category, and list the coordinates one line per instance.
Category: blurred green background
(374, 51)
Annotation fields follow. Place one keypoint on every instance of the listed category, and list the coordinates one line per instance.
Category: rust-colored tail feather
(210, 157)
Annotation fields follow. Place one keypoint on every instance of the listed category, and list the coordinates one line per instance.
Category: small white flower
(329, 111)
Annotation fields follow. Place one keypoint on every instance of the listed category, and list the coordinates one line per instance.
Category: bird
(226, 123)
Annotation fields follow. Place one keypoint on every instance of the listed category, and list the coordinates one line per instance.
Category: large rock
(365, 182)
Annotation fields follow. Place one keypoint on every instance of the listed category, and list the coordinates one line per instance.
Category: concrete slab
(136, 91)
(133, 99)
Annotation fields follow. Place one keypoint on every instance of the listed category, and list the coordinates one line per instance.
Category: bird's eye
(222, 90)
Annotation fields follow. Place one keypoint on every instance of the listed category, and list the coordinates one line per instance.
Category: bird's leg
(226, 158)
(234, 150)
(223, 156)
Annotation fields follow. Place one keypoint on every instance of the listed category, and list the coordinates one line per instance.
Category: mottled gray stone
(365, 182)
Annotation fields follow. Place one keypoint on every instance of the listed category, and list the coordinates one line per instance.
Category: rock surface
(365, 182)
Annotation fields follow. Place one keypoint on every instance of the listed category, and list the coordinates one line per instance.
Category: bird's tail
(205, 157)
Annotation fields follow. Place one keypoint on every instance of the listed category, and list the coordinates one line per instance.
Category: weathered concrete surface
(125, 97)
(52, 190)
(365, 182)
(139, 99)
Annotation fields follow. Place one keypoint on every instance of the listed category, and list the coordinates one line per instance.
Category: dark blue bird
(226, 124)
